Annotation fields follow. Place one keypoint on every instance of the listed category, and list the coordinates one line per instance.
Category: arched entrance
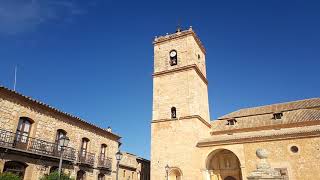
(15, 167)
(175, 174)
(223, 165)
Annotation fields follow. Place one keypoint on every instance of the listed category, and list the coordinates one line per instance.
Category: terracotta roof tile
(289, 117)
(288, 106)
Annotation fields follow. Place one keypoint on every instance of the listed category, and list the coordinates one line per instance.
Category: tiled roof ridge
(55, 109)
(230, 115)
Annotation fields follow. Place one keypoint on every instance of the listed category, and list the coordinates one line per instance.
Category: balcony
(86, 158)
(36, 146)
(104, 163)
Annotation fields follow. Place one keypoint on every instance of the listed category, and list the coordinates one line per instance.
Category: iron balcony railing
(104, 163)
(86, 158)
(25, 143)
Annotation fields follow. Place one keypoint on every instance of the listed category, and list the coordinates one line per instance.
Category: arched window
(173, 112)
(81, 175)
(84, 147)
(173, 57)
(23, 132)
(103, 151)
(15, 167)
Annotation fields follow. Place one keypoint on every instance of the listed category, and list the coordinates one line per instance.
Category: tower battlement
(179, 34)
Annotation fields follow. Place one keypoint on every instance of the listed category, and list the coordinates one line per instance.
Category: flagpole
(15, 78)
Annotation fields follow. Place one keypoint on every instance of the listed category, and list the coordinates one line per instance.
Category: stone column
(264, 171)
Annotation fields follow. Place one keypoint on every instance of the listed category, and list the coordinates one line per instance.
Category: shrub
(54, 176)
(9, 176)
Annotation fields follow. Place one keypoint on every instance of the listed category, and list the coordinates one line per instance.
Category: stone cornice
(177, 35)
(184, 117)
(180, 69)
(261, 138)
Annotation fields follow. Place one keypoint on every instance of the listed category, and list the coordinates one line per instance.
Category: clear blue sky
(94, 59)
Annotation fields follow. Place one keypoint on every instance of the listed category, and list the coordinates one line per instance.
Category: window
(277, 115)
(198, 56)
(101, 176)
(81, 175)
(294, 149)
(84, 147)
(103, 151)
(173, 57)
(53, 169)
(15, 167)
(173, 112)
(231, 122)
(23, 132)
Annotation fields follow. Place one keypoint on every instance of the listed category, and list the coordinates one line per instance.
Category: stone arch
(175, 174)
(223, 164)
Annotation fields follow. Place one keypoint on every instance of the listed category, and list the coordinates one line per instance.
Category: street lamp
(167, 171)
(62, 142)
(118, 158)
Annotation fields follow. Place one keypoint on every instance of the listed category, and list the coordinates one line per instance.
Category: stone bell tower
(180, 104)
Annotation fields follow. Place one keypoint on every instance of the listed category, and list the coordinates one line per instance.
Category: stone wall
(303, 165)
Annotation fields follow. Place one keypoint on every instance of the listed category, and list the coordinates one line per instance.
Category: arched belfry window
(173, 112)
(173, 57)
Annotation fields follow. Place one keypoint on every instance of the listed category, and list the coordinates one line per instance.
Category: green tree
(9, 176)
(54, 176)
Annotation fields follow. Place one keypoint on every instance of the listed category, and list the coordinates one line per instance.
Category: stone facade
(38, 155)
(132, 167)
(194, 147)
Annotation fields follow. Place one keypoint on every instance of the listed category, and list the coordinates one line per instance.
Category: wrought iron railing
(105, 163)
(38, 146)
(86, 158)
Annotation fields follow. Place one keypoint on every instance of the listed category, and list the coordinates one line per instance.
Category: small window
(231, 122)
(173, 57)
(294, 149)
(198, 56)
(173, 112)
(277, 115)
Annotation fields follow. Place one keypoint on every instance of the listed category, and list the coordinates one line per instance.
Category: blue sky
(94, 58)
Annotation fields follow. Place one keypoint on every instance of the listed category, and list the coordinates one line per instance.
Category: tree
(54, 176)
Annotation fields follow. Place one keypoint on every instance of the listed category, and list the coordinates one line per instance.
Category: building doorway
(175, 174)
(224, 165)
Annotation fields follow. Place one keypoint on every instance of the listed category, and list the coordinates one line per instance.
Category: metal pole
(60, 163)
(117, 170)
(167, 175)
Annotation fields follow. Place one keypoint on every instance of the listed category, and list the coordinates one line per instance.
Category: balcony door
(60, 134)
(84, 149)
(103, 152)
(23, 132)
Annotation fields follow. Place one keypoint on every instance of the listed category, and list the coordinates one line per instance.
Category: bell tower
(180, 102)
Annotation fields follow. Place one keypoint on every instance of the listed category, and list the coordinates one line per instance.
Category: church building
(187, 145)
